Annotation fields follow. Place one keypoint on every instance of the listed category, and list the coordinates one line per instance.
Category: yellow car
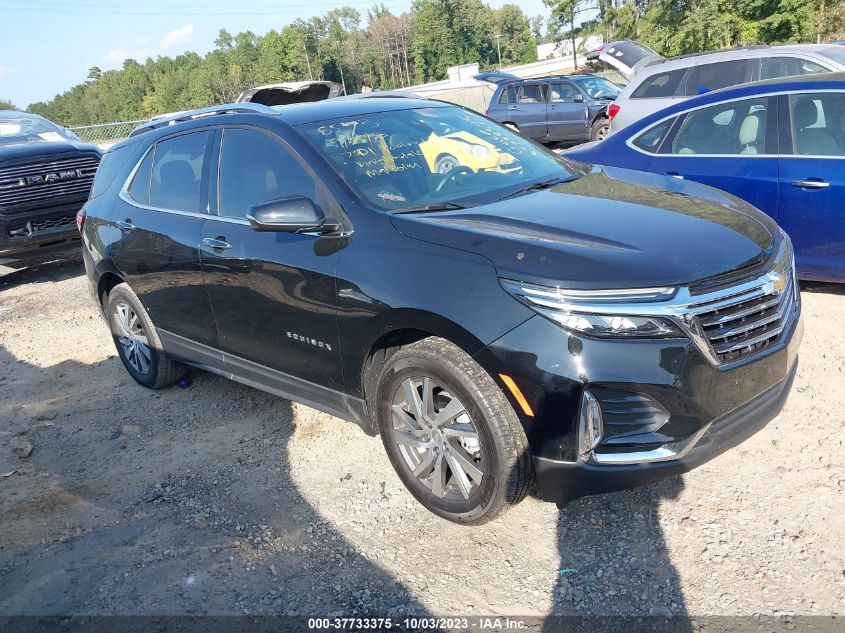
(444, 153)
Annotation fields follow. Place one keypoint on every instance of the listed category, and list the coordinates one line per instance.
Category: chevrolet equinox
(530, 320)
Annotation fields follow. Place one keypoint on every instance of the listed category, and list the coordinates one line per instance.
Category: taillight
(613, 110)
(80, 219)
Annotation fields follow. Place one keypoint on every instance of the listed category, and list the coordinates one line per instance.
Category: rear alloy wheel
(600, 129)
(451, 434)
(132, 338)
(137, 340)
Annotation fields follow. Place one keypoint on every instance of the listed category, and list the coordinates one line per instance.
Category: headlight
(479, 151)
(598, 313)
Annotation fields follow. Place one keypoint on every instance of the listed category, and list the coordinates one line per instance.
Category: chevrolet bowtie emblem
(776, 284)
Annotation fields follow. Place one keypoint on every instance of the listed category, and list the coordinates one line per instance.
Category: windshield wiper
(537, 186)
(437, 206)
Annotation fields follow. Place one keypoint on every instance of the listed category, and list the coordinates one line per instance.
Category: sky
(47, 46)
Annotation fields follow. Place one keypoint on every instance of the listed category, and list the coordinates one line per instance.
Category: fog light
(591, 424)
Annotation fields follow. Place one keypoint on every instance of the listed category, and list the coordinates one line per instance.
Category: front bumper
(712, 407)
(561, 481)
(39, 232)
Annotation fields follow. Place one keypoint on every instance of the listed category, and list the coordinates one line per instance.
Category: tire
(137, 341)
(446, 163)
(470, 437)
(600, 129)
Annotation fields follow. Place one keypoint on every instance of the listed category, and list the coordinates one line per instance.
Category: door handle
(125, 225)
(674, 174)
(218, 244)
(811, 184)
(511, 107)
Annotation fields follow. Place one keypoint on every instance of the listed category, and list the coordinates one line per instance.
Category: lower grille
(41, 226)
(744, 324)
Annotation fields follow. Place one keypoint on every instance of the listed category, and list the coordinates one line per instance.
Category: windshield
(412, 159)
(597, 86)
(836, 53)
(24, 128)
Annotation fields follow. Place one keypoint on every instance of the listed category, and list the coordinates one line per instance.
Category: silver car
(657, 82)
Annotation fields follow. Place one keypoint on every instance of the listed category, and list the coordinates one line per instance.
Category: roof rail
(178, 117)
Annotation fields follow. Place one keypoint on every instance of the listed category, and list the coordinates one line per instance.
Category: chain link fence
(106, 134)
(473, 97)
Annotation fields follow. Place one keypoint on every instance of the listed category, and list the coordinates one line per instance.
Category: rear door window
(177, 173)
(659, 85)
(532, 93)
(707, 77)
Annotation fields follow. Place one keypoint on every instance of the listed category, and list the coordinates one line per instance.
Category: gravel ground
(221, 499)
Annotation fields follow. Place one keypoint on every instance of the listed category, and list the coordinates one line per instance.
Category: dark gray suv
(553, 109)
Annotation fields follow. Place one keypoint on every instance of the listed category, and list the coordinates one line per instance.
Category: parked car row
(498, 314)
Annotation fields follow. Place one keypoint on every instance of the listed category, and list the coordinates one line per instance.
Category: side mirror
(578, 98)
(289, 215)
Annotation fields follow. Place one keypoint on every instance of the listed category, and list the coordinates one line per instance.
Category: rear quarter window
(111, 164)
(649, 141)
(659, 85)
(507, 95)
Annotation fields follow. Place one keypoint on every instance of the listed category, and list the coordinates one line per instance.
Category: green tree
(7, 105)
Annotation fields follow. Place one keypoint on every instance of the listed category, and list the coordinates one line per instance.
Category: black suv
(592, 328)
(45, 176)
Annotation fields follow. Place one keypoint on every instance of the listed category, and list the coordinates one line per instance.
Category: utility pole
(499, 49)
(340, 66)
(308, 61)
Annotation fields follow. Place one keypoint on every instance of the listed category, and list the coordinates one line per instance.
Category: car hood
(42, 151)
(611, 228)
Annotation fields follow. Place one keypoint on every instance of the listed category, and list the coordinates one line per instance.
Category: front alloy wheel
(450, 432)
(437, 439)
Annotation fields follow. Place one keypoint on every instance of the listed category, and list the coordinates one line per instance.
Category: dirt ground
(221, 499)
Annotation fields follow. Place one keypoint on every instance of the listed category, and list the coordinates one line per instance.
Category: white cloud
(140, 48)
(177, 37)
(5, 71)
(137, 49)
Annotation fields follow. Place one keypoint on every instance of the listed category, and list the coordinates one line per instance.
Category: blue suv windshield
(426, 157)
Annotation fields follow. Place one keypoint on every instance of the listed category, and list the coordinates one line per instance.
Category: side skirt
(289, 387)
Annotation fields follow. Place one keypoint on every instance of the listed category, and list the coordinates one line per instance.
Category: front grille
(39, 184)
(742, 325)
